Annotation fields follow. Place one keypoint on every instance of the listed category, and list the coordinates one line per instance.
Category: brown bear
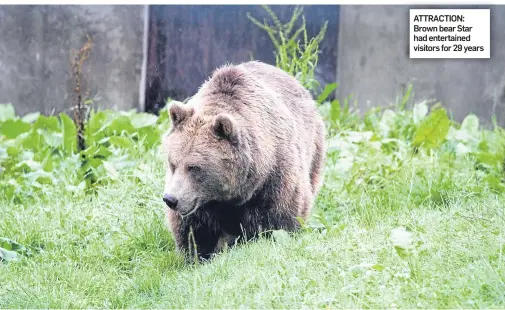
(244, 156)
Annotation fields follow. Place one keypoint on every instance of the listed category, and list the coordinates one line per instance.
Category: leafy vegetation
(38, 154)
(298, 59)
(410, 215)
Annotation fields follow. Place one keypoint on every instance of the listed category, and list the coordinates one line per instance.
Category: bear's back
(285, 85)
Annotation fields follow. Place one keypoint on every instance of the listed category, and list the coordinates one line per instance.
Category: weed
(299, 60)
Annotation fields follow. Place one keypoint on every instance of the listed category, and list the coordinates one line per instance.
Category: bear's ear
(225, 127)
(178, 113)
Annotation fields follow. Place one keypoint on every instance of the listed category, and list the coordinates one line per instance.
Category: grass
(410, 214)
(391, 228)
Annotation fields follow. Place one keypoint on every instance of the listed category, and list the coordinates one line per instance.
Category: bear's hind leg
(281, 213)
(258, 222)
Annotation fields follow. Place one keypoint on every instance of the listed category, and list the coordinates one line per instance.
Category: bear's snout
(171, 201)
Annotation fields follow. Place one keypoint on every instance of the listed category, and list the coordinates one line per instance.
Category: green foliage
(328, 89)
(410, 215)
(432, 131)
(415, 152)
(69, 132)
(6, 112)
(38, 154)
(299, 60)
(10, 250)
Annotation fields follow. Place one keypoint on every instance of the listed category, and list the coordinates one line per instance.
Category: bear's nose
(171, 201)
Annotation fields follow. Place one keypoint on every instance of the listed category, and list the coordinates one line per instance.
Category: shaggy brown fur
(244, 156)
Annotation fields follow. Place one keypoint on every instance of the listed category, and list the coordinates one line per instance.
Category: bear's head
(207, 159)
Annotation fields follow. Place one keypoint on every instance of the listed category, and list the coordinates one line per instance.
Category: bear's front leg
(262, 221)
(196, 232)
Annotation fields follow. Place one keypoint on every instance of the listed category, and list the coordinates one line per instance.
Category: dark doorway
(186, 43)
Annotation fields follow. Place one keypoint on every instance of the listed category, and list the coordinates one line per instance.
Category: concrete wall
(35, 49)
(374, 64)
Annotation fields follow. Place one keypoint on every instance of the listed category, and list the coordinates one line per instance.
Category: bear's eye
(172, 167)
(194, 169)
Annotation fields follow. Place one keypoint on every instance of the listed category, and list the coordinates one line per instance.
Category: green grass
(410, 214)
(111, 248)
